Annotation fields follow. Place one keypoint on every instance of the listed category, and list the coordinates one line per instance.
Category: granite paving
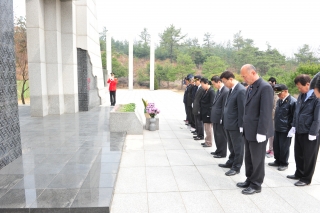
(168, 171)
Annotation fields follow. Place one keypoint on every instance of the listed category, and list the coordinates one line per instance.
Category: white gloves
(291, 132)
(312, 137)
(192, 105)
(221, 121)
(261, 138)
(241, 129)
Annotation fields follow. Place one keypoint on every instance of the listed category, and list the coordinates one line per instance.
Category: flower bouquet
(152, 110)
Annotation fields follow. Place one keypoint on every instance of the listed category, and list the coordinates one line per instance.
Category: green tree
(118, 69)
(162, 71)
(305, 55)
(213, 66)
(184, 66)
(21, 54)
(144, 36)
(238, 41)
(208, 41)
(197, 55)
(141, 49)
(170, 40)
(102, 39)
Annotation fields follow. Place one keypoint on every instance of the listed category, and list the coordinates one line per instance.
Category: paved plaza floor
(69, 164)
(167, 171)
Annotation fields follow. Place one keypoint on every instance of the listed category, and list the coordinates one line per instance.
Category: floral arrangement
(152, 110)
(145, 104)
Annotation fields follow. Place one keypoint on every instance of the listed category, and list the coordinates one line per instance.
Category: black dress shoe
(250, 191)
(273, 164)
(243, 184)
(195, 136)
(206, 145)
(225, 165)
(300, 183)
(292, 177)
(193, 132)
(203, 144)
(218, 156)
(231, 172)
(213, 153)
(198, 138)
(282, 168)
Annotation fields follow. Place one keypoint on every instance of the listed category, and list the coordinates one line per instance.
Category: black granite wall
(87, 83)
(10, 141)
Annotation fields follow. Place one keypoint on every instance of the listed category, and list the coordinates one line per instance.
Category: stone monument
(10, 141)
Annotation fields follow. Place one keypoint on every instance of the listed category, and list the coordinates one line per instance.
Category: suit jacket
(306, 117)
(189, 95)
(206, 103)
(284, 114)
(218, 105)
(257, 118)
(234, 108)
(196, 102)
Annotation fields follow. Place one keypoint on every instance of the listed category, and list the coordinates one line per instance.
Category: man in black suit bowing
(257, 128)
(233, 122)
(219, 132)
(196, 109)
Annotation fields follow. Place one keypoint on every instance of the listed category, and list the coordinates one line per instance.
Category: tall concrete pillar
(10, 141)
(152, 63)
(108, 54)
(88, 39)
(130, 63)
(36, 57)
(52, 28)
(69, 56)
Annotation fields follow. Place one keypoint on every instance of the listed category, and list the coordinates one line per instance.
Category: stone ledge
(128, 122)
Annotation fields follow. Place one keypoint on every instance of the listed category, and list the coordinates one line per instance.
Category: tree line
(178, 55)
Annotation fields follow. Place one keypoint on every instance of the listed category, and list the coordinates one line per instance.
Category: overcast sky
(284, 24)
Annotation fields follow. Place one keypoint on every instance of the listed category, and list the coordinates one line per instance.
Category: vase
(152, 125)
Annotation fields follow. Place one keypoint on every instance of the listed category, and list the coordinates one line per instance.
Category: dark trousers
(190, 116)
(235, 145)
(112, 97)
(305, 155)
(281, 148)
(199, 126)
(185, 108)
(220, 138)
(254, 161)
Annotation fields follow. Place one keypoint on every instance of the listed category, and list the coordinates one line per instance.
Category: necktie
(249, 91)
(217, 95)
(228, 96)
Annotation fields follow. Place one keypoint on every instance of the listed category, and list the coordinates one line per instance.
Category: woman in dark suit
(206, 103)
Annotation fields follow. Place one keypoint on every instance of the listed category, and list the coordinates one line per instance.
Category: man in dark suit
(219, 132)
(305, 125)
(257, 128)
(189, 101)
(233, 122)
(185, 99)
(205, 110)
(283, 118)
(196, 109)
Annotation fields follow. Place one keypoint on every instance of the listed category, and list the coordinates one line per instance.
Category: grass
(127, 107)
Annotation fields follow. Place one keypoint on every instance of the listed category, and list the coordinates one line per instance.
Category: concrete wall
(10, 141)
(55, 30)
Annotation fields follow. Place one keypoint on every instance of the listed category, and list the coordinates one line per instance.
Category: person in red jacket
(112, 81)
